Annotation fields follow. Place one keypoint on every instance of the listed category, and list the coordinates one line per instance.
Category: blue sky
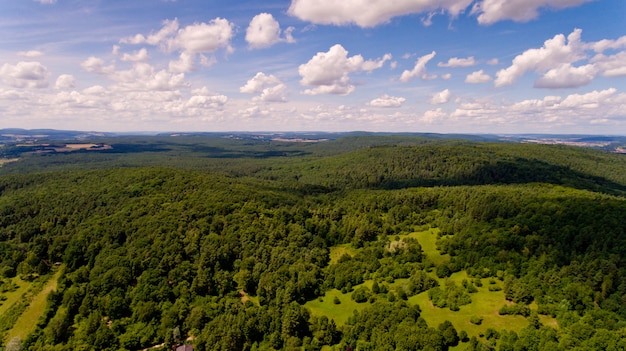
(446, 66)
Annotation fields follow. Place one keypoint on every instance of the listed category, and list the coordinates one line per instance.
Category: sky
(441, 66)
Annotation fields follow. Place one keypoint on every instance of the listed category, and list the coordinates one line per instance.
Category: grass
(337, 251)
(338, 312)
(28, 319)
(427, 240)
(14, 296)
(485, 304)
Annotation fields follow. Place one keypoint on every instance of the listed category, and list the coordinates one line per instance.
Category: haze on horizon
(444, 66)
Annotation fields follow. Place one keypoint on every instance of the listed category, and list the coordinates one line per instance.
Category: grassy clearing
(337, 251)
(14, 296)
(427, 240)
(484, 304)
(28, 319)
(339, 312)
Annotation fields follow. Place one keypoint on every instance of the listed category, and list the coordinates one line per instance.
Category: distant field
(7, 160)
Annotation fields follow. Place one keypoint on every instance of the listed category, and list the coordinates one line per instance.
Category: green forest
(364, 242)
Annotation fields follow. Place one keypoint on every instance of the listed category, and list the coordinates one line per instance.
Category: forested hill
(257, 245)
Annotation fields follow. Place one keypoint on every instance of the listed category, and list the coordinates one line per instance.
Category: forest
(363, 242)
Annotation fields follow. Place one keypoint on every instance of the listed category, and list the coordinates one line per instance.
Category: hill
(246, 244)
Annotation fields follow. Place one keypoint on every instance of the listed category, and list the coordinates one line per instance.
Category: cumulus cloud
(165, 33)
(458, 62)
(441, 97)
(567, 76)
(387, 101)
(492, 11)
(432, 116)
(96, 65)
(369, 13)
(555, 62)
(329, 72)
(143, 77)
(555, 51)
(493, 62)
(419, 70)
(191, 42)
(477, 77)
(612, 65)
(271, 89)
(204, 37)
(140, 55)
(46, 2)
(204, 98)
(65, 81)
(264, 31)
(183, 64)
(446, 76)
(25, 75)
(30, 53)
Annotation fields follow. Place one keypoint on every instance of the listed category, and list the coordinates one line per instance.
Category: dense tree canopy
(228, 251)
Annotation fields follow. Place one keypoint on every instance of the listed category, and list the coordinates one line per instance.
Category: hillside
(386, 243)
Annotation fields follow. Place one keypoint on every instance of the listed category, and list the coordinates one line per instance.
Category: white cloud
(264, 31)
(183, 64)
(203, 98)
(258, 82)
(25, 75)
(169, 28)
(271, 89)
(555, 60)
(137, 56)
(65, 81)
(567, 76)
(30, 53)
(96, 65)
(441, 97)
(492, 11)
(204, 37)
(419, 70)
(432, 116)
(387, 101)
(554, 52)
(328, 72)
(369, 13)
(276, 93)
(606, 44)
(189, 41)
(458, 62)
(493, 62)
(446, 76)
(477, 77)
(46, 2)
(611, 66)
(142, 77)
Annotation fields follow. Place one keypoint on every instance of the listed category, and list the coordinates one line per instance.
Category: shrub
(476, 320)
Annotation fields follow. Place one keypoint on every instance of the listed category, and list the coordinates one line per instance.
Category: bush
(336, 300)
(361, 294)
(476, 320)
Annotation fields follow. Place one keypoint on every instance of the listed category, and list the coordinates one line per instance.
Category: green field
(338, 312)
(14, 296)
(485, 303)
(427, 240)
(27, 321)
(337, 251)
